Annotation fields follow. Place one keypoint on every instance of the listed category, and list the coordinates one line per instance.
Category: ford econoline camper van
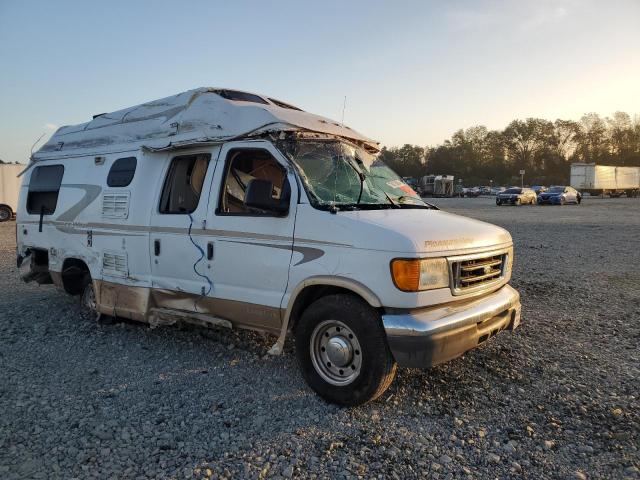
(231, 209)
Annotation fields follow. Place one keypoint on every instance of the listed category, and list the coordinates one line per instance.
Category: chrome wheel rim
(335, 352)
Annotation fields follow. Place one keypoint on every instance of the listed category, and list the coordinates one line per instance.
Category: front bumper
(427, 337)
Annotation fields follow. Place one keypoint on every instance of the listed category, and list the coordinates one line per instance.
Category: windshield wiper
(397, 205)
(430, 206)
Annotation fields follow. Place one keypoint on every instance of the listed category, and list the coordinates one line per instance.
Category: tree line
(544, 149)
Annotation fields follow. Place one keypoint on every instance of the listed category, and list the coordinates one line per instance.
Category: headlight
(413, 275)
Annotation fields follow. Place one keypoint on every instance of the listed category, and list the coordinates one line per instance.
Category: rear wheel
(342, 350)
(5, 214)
(88, 298)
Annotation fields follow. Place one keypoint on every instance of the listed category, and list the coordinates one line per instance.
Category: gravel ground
(556, 399)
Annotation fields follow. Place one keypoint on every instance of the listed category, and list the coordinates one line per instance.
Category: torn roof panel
(200, 115)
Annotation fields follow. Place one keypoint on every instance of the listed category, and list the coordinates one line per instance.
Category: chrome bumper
(427, 337)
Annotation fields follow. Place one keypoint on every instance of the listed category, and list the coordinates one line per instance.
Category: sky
(412, 71)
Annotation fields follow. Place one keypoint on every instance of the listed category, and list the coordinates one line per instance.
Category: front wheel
(342, 350)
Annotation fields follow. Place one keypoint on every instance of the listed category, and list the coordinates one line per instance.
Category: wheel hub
(339, 351)
(335, 352)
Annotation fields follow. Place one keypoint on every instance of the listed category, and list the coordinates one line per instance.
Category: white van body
(9, 188)
(216, 265)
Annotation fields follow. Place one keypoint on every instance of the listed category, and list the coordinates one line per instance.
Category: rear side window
(121, 172)
(44, 187)
(183, 185)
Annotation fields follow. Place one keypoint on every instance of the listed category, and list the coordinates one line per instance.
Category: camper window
(44, 186)
(242, 167)
(121, 172)
(183, 185)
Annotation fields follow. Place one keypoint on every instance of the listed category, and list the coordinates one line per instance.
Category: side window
(121, 172)
(44, 187)
(183, 185)
(242, 167)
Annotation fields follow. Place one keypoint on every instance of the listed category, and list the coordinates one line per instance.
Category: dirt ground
(558, 398)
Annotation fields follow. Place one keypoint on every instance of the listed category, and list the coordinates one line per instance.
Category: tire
(517, 202)
(561, 201)
(88, 297)
(5, 214)
(367, 367)
(498, 202)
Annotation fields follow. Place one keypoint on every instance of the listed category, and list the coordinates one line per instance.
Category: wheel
(498, 202)
(342, 350)
(5, 214)
(88, 297)
(518, 202)
(561, 201)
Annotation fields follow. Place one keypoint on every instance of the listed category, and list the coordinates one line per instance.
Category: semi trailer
(605, 180)
(9, 189)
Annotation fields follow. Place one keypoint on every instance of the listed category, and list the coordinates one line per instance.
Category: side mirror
(259, 195)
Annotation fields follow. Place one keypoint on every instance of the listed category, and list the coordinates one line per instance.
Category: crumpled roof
(199, 115)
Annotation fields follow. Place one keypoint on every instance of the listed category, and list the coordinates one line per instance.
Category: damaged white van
(226, 208)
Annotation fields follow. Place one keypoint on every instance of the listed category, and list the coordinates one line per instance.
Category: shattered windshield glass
(339, 174)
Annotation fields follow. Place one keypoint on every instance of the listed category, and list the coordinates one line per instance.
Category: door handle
(156, 247)
(210, 251)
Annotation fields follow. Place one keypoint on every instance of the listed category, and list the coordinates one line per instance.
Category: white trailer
(605, 180)
(436, 185)
(9, 189)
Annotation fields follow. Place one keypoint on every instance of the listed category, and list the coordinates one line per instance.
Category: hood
(416, 231)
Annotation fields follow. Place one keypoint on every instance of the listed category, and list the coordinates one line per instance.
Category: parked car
(471, 192)
(559, 195)
(539, 189)
(497, 190)
(516, 196)
(485, 190)
(235, 217)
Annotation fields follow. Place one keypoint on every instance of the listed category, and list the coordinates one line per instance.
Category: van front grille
(478, 272)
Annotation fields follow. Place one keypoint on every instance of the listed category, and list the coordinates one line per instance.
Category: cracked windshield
(340, 174)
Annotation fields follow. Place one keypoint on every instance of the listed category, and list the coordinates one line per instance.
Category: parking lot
(559, 398)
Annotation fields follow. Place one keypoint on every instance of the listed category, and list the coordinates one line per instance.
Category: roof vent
(237, 96)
